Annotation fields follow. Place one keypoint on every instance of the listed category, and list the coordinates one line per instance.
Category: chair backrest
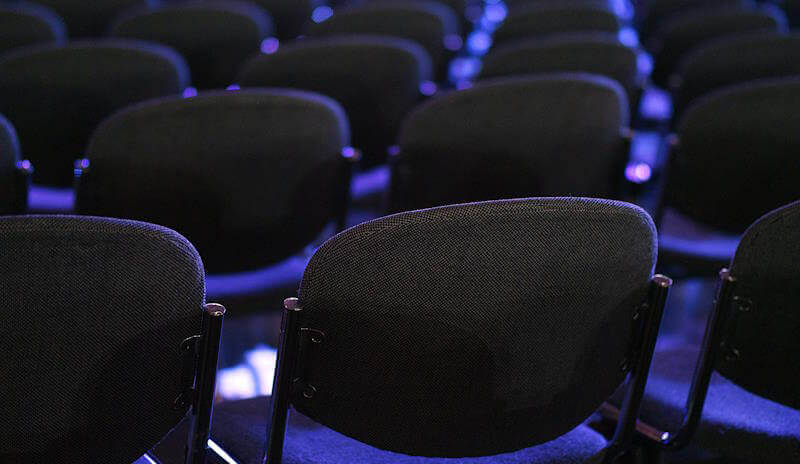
(660, 11)
(95, 313)
(250, 177)
(555, 134)
(591, 53)
(216, 37)
(548, 18)
(56, 95)
(685, 32)
(733, 60)
(375, 78)
(91, 19)
(762, 348)
(427, 23)
(735, 154)
(290, 16)
(27, 24)
(10, 194)
(473, 329)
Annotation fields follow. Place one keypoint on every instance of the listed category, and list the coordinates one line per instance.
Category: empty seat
(216, 37)
(555, 134)
(592, 53)
(14, 173)
(465, 9)
(290, 16)
(683, 33)
(430, 24)
(56, 95)
(657, 12)
(478, 315)
(732, 60)
(736, 395)
(547, 18)
(27, 23)
(731, 163)
(91, 19)
(106, 333)
(375, 78)
(250, 177)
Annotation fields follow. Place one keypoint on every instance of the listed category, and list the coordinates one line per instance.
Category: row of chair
(489, 318)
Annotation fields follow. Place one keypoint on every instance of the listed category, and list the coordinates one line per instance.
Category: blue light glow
(638, 173)
(233, 87)
(453, 42)
(428, 88)
(263, 360)
(236, 383)
(479, 42)
(189, 92)
(213, 446)
(321, 13)
(628, 36)
(656, 104)
(270, 45)
(496, 12)
(464, 68)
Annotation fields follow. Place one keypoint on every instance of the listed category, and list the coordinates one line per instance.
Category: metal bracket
(189, 354)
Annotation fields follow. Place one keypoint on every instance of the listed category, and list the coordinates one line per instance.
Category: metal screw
(309, 391)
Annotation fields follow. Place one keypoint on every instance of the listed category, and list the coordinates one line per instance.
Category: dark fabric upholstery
(684, 32)
(734, 159)
(660, 11)
(427, 23)
(475, 329)
(56, 95)
(733, 60)
(555, 134)
(735, 422)
(9, 155)
(459, 7)
(95, 311)
(376, 79)
(290, 16)
(250, 177)
(541, 19)
(592, 53)
(239, 428)
(27, 23)
(765, 268)
(91, 19)
(216, 37)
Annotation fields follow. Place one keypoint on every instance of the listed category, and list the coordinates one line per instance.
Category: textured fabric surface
(513, 137)
(541, 19)
(95, 311)
(733, 60)
(475, 329)
(736, 149)
(592, 53)
(376, 79)
(56, 95)
(427, 23)
(660, 11)
(250, 177)
(290, 15)
(765, 336)
(26, 24)
(686, 31)
(735, 422)
(91, 19)
(9, 155)
(239, 427)
(216, 37)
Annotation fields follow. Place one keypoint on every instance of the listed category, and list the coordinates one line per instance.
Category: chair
(107, 340)
(290, 16)
(591, 53)
(15, 173)
(685, 32)
(428, 23)
(91, 19)
(729, 165)
(250, 177)
(732, 60)
(547, 18)
(216, 37)
(555, 134)
(657, 12)
(375, 78)
(480, 316)
(26, 24)
(55, 95)
(741, 401)
(792, 9)
(465, 9)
